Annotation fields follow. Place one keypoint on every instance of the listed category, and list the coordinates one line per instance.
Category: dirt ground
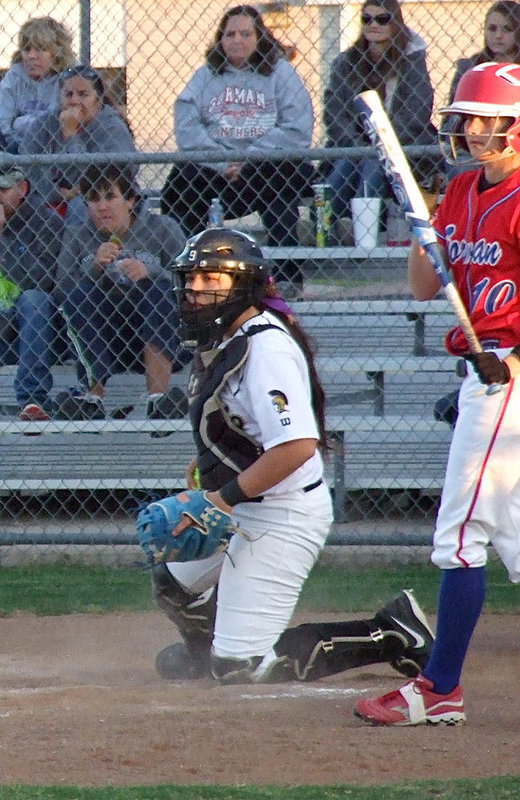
(80, 703)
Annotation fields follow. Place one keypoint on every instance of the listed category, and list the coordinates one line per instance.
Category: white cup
(365, 220)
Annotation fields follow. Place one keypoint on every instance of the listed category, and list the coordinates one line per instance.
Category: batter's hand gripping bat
(411, 202)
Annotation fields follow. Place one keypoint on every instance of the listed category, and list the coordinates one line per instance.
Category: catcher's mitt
(210, 533)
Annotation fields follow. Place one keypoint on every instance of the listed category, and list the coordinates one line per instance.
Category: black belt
(307, 488)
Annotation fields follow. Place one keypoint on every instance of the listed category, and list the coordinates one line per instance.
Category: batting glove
(489, 367)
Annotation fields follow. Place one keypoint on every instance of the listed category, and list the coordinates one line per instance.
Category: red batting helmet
(487, 90)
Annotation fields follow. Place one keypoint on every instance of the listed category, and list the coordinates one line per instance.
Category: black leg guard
(398, 633)
(194, 616)
(316, 650)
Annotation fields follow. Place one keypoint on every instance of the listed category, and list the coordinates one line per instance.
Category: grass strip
(500, 788)
(68, 589)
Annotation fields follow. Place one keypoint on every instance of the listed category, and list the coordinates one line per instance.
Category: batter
(478, 226)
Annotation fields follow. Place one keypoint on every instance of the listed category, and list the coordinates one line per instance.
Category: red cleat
(413, 704)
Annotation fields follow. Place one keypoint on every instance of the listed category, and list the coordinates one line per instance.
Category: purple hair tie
(277, 303)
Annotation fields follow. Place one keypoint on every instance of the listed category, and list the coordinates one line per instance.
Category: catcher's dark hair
(268, 49)
(100, 178)
(303, 340)
(376, 72)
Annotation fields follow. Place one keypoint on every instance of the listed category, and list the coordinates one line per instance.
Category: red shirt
(481, 233)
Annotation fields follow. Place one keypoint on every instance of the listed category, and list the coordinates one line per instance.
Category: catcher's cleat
(404, 616)
(180, 661)
(414, 704)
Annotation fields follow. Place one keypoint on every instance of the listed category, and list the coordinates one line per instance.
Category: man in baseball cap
(30, 239)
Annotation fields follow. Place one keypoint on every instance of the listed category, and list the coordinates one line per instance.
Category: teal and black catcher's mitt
(210, 533)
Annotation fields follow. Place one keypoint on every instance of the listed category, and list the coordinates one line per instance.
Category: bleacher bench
(370, 451)
(119, 454)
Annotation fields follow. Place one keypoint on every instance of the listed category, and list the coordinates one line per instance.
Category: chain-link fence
(92, 373)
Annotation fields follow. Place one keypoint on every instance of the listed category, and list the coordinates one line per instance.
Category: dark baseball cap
(10, 176)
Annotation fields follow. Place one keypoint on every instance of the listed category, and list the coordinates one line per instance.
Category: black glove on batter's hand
(490, 368)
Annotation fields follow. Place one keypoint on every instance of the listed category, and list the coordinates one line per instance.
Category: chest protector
(223, 448)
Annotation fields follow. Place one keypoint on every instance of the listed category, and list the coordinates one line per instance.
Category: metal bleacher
(380, 399)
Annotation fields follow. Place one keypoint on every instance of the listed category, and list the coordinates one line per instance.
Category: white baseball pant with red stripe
(481, 496)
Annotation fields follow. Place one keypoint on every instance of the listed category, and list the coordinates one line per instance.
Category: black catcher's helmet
(220, 250)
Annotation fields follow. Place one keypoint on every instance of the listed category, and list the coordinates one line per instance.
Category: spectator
(84, 122)
(30, 239)
(31, 85)
(118, 294)
(246, 97)
(391, 59)
(501, 40)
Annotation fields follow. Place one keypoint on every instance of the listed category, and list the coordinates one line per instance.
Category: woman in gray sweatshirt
(84, 122)
(246, 97)
(116, 294)
(31, 84)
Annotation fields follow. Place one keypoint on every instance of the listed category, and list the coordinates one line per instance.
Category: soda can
(322, 213)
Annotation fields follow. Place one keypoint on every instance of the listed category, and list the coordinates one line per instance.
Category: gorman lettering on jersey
(481, 234)
(481, 251)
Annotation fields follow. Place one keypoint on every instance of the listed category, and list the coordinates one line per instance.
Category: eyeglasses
(380, 19)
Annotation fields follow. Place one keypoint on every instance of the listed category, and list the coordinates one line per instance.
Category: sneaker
(178, 662)
(33, 412)
(414, 704)
(173, 404)
(76, 405)
(404, 616)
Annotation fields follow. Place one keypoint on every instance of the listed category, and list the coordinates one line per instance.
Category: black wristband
(231, 493)
(516, 351)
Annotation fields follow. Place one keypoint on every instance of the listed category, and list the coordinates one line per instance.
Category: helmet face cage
(488, 90)
(452, 139)
(220, 250)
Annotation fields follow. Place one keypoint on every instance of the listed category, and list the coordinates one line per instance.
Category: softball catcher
(229, 559)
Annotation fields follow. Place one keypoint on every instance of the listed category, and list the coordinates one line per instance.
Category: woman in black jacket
(391, 59)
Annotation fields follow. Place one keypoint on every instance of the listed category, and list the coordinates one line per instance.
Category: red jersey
(481, 233)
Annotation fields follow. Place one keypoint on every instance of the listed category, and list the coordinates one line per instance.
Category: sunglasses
(80, 71)
(380, 19)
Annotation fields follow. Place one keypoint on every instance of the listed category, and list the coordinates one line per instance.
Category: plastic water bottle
(215, 214)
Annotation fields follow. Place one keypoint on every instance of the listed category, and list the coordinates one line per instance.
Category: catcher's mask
(220, 250)
(488, 90)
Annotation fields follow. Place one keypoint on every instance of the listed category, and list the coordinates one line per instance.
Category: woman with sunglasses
(84, 122)
(391, 59)
(501, 40)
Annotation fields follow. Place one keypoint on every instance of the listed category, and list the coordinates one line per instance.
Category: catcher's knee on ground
(255, 669)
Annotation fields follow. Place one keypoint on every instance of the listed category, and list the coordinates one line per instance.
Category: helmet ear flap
(513, 136)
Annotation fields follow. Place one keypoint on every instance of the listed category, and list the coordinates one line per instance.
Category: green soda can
(322, 212)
